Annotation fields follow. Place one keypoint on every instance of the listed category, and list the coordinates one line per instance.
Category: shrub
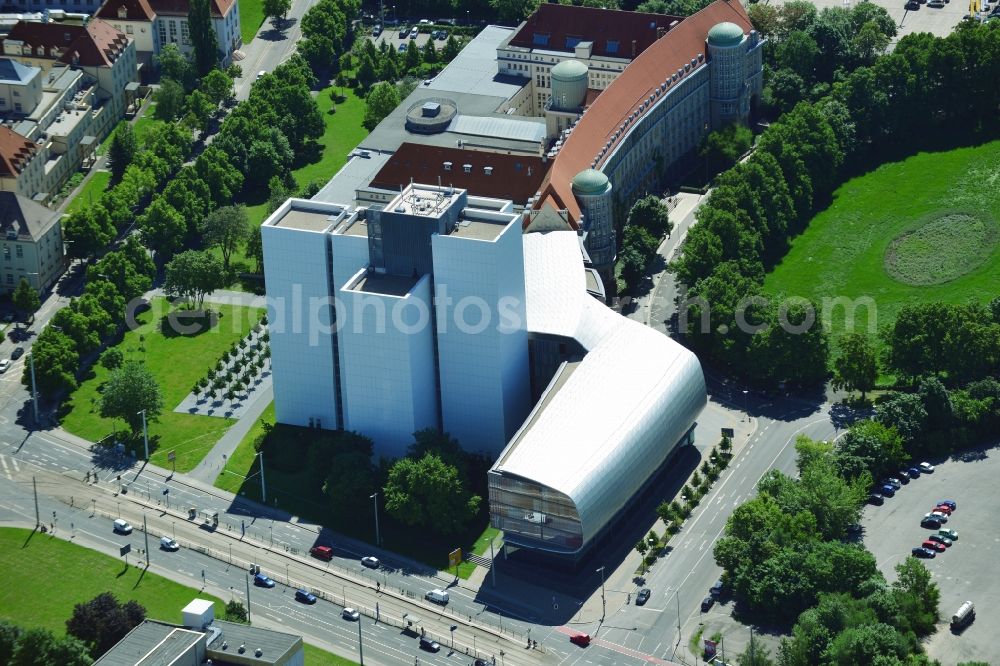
(696, 479)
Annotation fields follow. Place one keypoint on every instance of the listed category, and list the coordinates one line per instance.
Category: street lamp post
(677, 596)
(604, 607)
(361, 652)
(34, 387)
(145, 433)
(746, 407)
(263, 487)
(378, 534)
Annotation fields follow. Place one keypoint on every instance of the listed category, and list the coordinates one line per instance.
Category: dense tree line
(787, 559)
(744, 227)
(328, 33)
(647, 224)
(39, 647)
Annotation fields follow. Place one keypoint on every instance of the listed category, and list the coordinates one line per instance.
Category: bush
(696, 479)
(713, 474)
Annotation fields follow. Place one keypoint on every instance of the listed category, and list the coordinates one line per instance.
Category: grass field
(46, 563)
(91, 191)
(251, 17)
(177, 362)
(296, 494)
(930, 221)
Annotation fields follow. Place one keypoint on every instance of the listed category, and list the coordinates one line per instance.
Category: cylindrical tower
(569, 85)
(593, 191)
(726, 53)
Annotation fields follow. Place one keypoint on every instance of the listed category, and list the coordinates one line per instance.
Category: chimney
(633, 48)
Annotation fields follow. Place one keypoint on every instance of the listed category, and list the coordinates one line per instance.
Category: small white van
(122, 527)
(437, 596)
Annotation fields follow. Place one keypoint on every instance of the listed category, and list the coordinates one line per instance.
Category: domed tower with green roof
(593, 191)
(727, 52)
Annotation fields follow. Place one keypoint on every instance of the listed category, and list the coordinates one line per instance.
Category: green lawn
(177, 362)
(251, 18)
(79, 574)
(91, 191)
(45, 563)
(931, 218)
(297, 494)
(146, 123)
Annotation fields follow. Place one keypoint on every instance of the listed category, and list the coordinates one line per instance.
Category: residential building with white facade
(31, 244)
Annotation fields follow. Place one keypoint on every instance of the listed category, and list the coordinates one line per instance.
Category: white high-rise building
(389, 321)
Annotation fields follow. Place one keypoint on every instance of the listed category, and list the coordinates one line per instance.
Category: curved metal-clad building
(606, 421)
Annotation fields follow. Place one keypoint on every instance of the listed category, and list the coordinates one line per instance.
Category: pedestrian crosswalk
(9, 466)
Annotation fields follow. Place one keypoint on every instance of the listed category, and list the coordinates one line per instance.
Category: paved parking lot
(938, 22)
(964, 571)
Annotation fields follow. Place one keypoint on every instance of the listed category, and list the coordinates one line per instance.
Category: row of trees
(648, 222)
(39, 647)
(744, 226)
(786, 559)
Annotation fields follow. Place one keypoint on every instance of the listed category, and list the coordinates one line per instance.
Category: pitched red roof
(181, 7)
(515, 177)
(15, 152)
(134, 10)
(97, 44)
(639, 80)
(592, 24)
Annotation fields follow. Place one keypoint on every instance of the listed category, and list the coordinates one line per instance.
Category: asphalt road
(271, 47)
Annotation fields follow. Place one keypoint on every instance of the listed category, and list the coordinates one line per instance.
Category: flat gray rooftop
(355, 174)
(353, 227)
(479, 229)
(475, 68)
(306, 220)
(387, 285)
(151, 642)
(274, 645)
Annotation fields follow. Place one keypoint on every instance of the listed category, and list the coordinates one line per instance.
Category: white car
(166, 543)
(260, 74)
(938, 516)
(414, 33)
(926, 467)
(4, 365)
(370, 562)
(350, 614)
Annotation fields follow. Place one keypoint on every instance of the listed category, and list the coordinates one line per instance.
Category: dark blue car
(888, 491)
(914, 473)
(305, 596)
(260, 580)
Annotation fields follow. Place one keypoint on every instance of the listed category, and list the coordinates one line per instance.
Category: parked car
(923, 552)
(887, 491)
(943, 508)
(903, 477)
(936, 4)
(951, 534)
(426, 22)
(122, 526)
(716, 589)
(260, 580)
(4, 365)
(166, 543)
(322, 552)
(429, 645)
(414, 32)
(912, 5)
(940, 516)
(350, 614)
(926, 468)
(402, 47)
(933, 545)
(642, 597)
(583, 640)
(930, 522)
(914, 472)
(260, 74)
(945, 541)
(437, 596)
(306, 597)
(876, 499)
(951, 504)
(371, 562)
(966, 614)
(403, 32)
(17, 353)
(8, 317)
(706, 604)
(376, 31)
(894, 482)
(442, 35)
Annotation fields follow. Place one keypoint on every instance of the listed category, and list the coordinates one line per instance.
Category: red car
(934, 545)
(322, 552)
(583, 640)
(945, 509)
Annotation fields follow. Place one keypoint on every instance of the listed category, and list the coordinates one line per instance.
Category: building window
(17, 106)
(185, 39)
(173, 32)
(540, 39)
(572, 41)
(128, 28)
(163, 33)
(10, 278)
(19, 251)
(612, 46)
(6, 252)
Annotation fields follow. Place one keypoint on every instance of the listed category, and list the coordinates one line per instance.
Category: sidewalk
(215, 461)
(220, 297)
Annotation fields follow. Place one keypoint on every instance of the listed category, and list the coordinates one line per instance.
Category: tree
(906, 413)
(236, 612)
(451, 48)
(169, 100)
(122, 150)
(869, 446)
(112, 358)
(918, 595)
(255, 249)
(88, 230)
(129, 390)
(163, 229)
(226, 228)
(514, 10)
(412, 60)
(219, 173)
(344, 464)
(429, 492)
(870, 42)
(755, 655)
(723, 147)
(199, 109)
(652, 215)
(217, 86)
(381, 100)
(38, 647)
(103, 621)
(277, 8)
(175, 66)
(765, 18)
(9, 633)
(26, 298)
(56, 362)
(856, 368)
(202, 32)
(192, 275)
